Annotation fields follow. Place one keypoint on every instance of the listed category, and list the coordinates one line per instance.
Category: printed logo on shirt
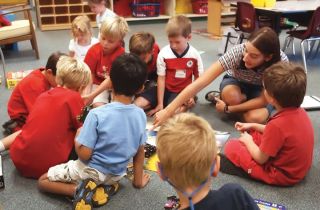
(190, 63)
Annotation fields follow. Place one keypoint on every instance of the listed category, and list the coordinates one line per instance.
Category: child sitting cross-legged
(188, 157)
(111, 135)
(280, 152)
(47, 138)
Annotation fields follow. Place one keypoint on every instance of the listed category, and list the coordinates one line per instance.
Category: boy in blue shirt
(111, 135)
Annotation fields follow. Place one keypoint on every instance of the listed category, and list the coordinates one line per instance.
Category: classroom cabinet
(58, 14)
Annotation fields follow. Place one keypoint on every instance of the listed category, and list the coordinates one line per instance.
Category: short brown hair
(178, 25)
(286, 83)
(106, 2)
(186, 148)
(141, 43)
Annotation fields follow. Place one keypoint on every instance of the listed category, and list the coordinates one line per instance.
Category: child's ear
(216, 166)
(189, 37)
(160, 172)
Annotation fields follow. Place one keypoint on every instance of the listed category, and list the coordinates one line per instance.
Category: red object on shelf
(200, 6)
(122, 7)
(145, 8)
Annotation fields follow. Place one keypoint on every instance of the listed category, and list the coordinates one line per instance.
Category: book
(265, 205)
(13, 78)
(311, 103)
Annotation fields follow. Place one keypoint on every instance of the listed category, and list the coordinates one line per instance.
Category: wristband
(226, 109)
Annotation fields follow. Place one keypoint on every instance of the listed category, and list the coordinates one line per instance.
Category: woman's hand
(160, 117)
(220, 105)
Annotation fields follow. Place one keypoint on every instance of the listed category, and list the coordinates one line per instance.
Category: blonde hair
(186, 148)
(72, 73)
(141, 43)
(106, 2)
(81, 24)
(115, 28)
(178, 25)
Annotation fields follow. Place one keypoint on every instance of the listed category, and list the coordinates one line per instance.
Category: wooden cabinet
(58, 14)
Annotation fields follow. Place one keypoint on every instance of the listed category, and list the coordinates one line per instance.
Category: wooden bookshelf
(58, 14)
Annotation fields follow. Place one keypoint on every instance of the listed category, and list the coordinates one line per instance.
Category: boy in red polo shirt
(47, 138)
(27, 91)
(177, 65)
(280, 152)
(101, 55)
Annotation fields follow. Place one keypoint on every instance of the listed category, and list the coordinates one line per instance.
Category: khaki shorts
(76, 171)
(102, 97)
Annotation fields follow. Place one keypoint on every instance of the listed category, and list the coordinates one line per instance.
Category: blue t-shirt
(114, 132)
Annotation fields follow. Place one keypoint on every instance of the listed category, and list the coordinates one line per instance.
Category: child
(27, 91)
(280, 152)
(177, 64)
(100, 8)
(101, 55)
(187, 152)
(82, 37)
(111, 135)
(47, 138)
(241, 86)
(143, 45)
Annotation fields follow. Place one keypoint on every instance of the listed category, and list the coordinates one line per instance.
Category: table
(302, 8)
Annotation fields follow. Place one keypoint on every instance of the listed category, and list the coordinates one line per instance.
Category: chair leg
(304, 56)
(35, 46)
(286, 43)
(293, 46)
(227, 42)
(3, 64)
(317, 50)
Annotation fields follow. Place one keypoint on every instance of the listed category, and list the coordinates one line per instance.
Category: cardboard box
(1, 174)
(13, 78)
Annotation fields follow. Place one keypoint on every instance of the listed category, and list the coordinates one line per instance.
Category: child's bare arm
(253, 149)
(83, 152)
(160, 95)
(105, 85)
(140, 179)
(247, 126)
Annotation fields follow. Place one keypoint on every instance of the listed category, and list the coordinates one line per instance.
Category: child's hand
(245, 138)
(220, 105)
(160, 117)
(87, 99)
(190, 103)
(145, 180)
(242, 126)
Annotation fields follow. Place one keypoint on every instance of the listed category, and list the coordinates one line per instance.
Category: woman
(241, 87)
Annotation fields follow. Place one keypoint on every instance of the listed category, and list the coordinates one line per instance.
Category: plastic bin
(145, 9)
(200, 6)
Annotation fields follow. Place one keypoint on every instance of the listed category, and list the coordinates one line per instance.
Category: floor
(22, 193)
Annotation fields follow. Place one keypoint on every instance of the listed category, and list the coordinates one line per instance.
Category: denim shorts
(250, 90)
(151, 96)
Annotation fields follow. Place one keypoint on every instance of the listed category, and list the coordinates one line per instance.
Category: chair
(311, 34)
(20, 30)
(245, 22)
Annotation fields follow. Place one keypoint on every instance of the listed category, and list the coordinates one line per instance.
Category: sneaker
(103, 193)
(172, 203)
(211, 95)
(84, 193)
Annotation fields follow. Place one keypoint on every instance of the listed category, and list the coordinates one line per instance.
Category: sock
(2, 148)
